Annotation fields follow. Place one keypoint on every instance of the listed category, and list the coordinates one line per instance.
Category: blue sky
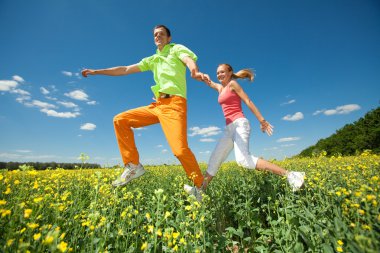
(317, 68)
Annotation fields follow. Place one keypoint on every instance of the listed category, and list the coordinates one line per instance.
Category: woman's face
(223, 74)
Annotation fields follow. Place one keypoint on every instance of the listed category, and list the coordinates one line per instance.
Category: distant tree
(361, 135)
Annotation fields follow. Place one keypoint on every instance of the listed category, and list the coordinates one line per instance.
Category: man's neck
(161, 47)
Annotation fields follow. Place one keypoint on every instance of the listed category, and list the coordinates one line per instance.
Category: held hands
(200, 76)
(265, 126)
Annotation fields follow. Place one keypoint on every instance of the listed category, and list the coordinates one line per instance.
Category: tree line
(363, 134)
(47, 165)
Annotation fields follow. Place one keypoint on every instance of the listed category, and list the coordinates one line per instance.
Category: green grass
(244, 210)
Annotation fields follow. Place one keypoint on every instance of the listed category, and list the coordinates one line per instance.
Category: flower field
(243, 211)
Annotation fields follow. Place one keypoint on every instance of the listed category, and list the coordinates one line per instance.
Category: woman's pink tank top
(231, 104)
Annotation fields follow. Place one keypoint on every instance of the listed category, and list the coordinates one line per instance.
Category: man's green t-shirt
(169, 72)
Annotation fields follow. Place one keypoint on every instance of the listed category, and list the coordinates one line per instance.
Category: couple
(170, 110)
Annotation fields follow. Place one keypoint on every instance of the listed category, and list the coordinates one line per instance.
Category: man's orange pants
(171, 113)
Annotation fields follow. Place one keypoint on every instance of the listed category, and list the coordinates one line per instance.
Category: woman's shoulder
(234, 85)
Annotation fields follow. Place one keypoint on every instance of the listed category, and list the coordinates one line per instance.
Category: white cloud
(91, 103)
(295, 117)
(40, 104)
(44, 91)
(18, 79)
(20, 92)
(288, 139)
(289, 102)
(205, 132)
(88, 126)
(207, 140)
(344, 109)
(205, 152)
(54, 113)
(164, 151)
(67, 104)
(67, 73)
(22, 99)
(271, 149)
(288, 145)
(6, 85)
(318, 112)
(78, 95)
(23, 151)
(159, 146)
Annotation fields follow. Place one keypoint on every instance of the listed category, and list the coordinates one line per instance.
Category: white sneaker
(296, 180)
(194, 191)
(131, 172)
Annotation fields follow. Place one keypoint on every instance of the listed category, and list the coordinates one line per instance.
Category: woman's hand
(266, 127)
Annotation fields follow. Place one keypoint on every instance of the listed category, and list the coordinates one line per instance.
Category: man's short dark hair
(166, 29)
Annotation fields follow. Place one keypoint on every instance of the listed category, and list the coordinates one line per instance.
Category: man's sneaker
(194, 191)
(131, 172)
(296, 180)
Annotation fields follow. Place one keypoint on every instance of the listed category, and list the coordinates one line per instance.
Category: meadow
(243, 211)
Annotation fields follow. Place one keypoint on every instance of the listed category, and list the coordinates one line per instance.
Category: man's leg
(173, 119)
(123, 122)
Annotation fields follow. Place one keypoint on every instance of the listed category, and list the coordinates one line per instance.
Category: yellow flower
(36, 237)
(370, 197)
(5, 212)
(175, 248)
(8, 191)
(48, 240)
(33, 225)
(27, 213)
(144, 246)
(62, 246)
(150, 228)
(188, 208)
(35, 186)
(147, 215)
(10, 242)
(175, 235)
(182, 240)
(38, 200)
(16, 182)
(167, 214)
(361, 212)
(366, 227)
(159, 232)
(339, 249)
(2, 202)
(340, 242)
(1, 177)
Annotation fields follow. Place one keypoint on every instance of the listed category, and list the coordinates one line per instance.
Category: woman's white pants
(235, 136)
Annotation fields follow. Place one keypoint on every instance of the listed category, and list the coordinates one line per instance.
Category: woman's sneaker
(131, 172)
(296, 180)
(194, 191)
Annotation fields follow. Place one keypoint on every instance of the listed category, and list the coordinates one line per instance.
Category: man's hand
(87, 72)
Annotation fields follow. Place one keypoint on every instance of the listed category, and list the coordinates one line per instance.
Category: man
(170, 109)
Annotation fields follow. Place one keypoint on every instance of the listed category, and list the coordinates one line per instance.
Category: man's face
(161, 38)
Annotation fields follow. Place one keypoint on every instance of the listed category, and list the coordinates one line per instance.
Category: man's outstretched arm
(115, 71)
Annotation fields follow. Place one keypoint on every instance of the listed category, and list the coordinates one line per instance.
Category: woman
(237, 131)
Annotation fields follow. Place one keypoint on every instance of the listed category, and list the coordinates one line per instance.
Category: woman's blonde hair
(243, 74)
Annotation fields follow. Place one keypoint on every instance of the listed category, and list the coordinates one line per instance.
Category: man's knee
(181, 152)
(121, 118)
